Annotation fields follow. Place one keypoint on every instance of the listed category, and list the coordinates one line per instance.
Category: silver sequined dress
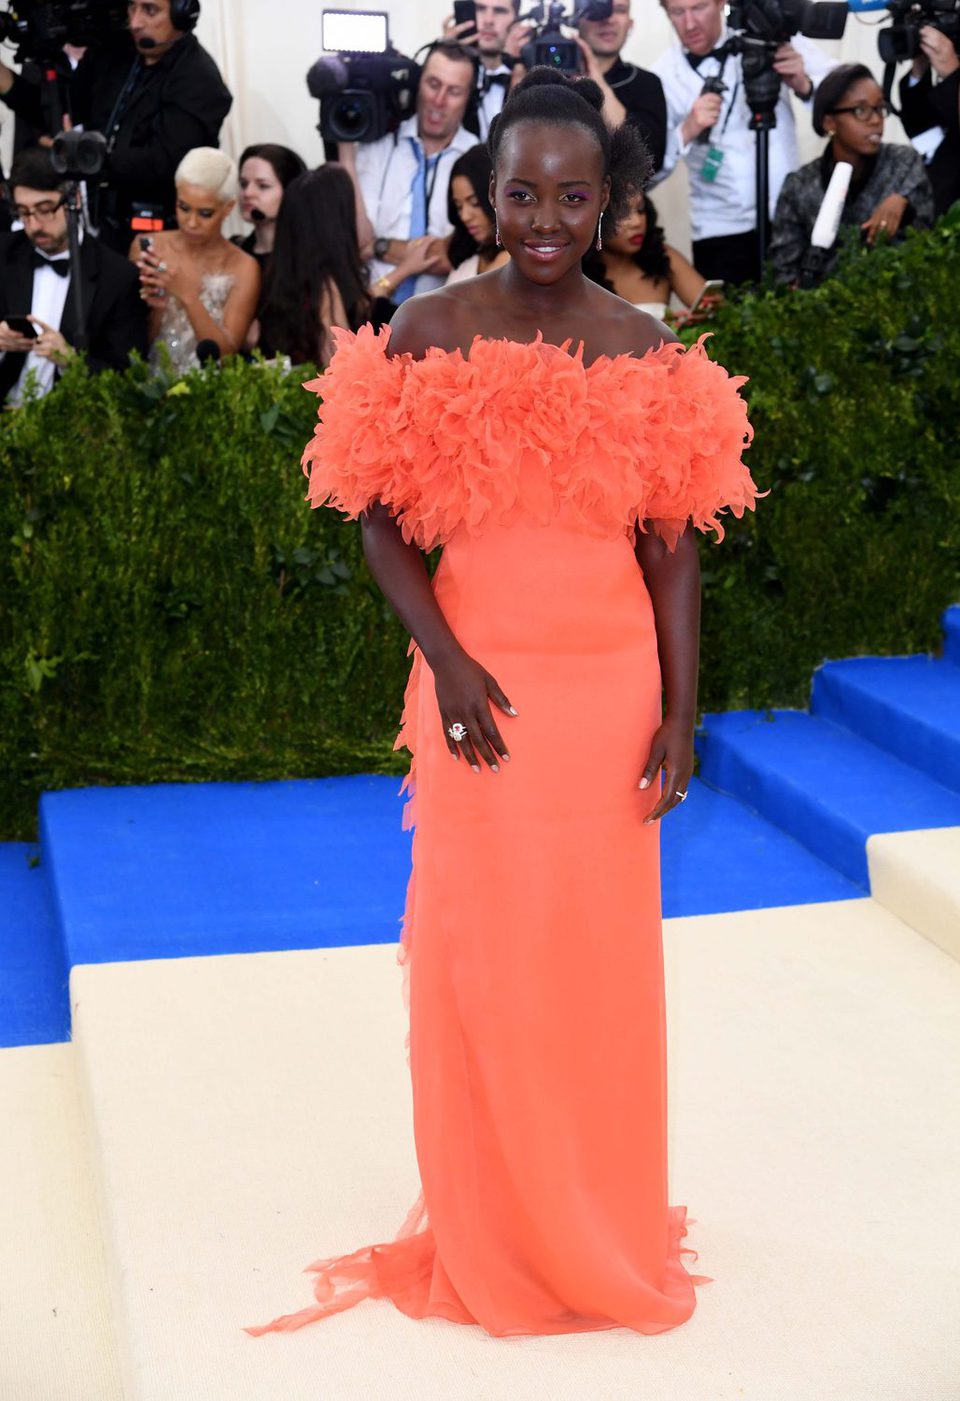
(176, 332)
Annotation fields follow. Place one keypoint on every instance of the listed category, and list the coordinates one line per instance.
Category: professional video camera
(549, 45)
(759, 28)
(902, 40)
(40, 28)
(366, 89)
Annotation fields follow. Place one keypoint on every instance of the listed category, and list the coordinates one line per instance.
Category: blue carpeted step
(180, 869)
(909, 706)
(34, 1006)
(951, 635)
(823, 785)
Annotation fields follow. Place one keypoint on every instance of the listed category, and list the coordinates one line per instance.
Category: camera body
(363, 96)
(40, 28)
(760, 27)
(902, 40)
(549, 47)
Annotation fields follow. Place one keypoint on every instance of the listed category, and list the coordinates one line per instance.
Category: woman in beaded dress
(198, 285)
(561, 447)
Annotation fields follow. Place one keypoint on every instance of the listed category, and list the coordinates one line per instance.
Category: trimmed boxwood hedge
(172, 609)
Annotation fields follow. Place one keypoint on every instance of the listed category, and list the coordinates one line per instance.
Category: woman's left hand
(886, 218)
(671, 749)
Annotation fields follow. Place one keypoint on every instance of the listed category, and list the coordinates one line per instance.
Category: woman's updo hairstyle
(547, 96)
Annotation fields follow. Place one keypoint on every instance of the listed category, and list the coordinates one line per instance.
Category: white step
(252, 1113)
(56, 1336)
(916, 875)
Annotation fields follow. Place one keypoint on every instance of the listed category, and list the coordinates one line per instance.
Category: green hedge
(174, 610)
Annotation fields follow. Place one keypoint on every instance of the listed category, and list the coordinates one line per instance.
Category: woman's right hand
(464, 693)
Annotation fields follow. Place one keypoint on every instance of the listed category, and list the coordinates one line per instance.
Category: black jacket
(115, 315)
(173, 105)
(927, 104)
(642, 95)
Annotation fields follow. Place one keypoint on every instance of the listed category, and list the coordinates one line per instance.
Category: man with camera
(630, 93)
(931, 111)
(708, 127)
(491, 27)
(402, 179)
(155, 94)
(37, 326)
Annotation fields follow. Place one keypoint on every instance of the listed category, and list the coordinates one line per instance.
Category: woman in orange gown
(558, 444)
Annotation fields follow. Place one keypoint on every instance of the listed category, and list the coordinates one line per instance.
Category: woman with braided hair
(561, 447)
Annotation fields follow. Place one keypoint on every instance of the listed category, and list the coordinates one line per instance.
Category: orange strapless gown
(532, 941)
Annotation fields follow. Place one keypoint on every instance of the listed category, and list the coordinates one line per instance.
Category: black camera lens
(351, 117)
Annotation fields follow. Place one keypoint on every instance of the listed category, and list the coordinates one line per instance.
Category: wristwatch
(381, 247)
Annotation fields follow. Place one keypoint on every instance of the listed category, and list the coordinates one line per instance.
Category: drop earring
(496, 227)
(599, 235)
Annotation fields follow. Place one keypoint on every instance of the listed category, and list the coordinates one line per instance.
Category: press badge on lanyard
(713, 160)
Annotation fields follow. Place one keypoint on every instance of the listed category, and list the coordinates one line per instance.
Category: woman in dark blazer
(889, 188)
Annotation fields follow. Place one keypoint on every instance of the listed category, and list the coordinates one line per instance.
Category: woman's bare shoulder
(432, 319)
(622, 329)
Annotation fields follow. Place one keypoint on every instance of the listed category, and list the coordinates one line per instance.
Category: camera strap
(116, 116)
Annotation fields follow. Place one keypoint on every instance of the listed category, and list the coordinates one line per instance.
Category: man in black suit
(154, 93)
(630, 94)
(35, 277)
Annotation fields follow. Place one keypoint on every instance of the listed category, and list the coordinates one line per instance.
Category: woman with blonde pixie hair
(198, 285)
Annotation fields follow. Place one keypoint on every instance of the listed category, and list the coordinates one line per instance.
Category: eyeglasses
(863, 110)
(39, 211)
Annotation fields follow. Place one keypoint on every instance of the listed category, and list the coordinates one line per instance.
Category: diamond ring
(457, 731)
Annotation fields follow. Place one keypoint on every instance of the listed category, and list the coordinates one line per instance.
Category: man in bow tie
(35, 277)
(710, 132)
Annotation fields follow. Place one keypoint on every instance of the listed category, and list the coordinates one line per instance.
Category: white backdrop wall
(264, 48)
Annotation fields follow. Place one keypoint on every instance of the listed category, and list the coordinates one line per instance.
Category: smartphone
(465, 12)
(145, 242)
(354, 31)
(22, 326)
(709, 289)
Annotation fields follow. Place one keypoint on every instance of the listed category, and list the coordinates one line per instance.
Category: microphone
(826, 225)
(208, 352)
(257, 215)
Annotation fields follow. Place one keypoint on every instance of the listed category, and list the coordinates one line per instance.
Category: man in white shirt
(722, 164)
(496, 36)
(402, 179)
(35, 279)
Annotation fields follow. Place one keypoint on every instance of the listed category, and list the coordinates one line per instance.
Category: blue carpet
(909, 706)
(34, 1004)
(824, 786)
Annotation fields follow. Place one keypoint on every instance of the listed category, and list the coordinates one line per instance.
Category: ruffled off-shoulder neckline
(527, 428)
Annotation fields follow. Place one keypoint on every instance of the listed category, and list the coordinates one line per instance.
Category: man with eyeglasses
(35, 277)
(710, 132)
(154, 93)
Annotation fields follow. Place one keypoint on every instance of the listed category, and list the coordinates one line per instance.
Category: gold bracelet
(384, 282)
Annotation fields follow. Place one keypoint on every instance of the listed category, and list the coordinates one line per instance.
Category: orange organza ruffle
(513, 431)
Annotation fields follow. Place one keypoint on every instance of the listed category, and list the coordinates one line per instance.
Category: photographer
(629, 93)
(154, 93)
(711, 133)
(495, 35)
(931, 112)
(35, 278)
(402, 179)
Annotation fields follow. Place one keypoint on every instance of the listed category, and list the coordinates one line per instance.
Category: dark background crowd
(137, 258)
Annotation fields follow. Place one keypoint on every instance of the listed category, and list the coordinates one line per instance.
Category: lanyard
(429, 184)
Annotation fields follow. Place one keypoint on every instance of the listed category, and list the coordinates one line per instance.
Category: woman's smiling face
(549, 191)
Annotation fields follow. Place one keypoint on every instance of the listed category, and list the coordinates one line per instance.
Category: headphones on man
(184, 14)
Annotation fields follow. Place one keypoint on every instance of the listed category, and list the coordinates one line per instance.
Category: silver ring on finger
(681, 796)
(457, 731)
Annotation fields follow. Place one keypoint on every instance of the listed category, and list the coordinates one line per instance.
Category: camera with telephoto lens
(759, 28)
(40, 28)
(902, 40)
(364, 87)
(549, 47)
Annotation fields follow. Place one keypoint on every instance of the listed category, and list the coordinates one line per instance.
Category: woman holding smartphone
(198, 285)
